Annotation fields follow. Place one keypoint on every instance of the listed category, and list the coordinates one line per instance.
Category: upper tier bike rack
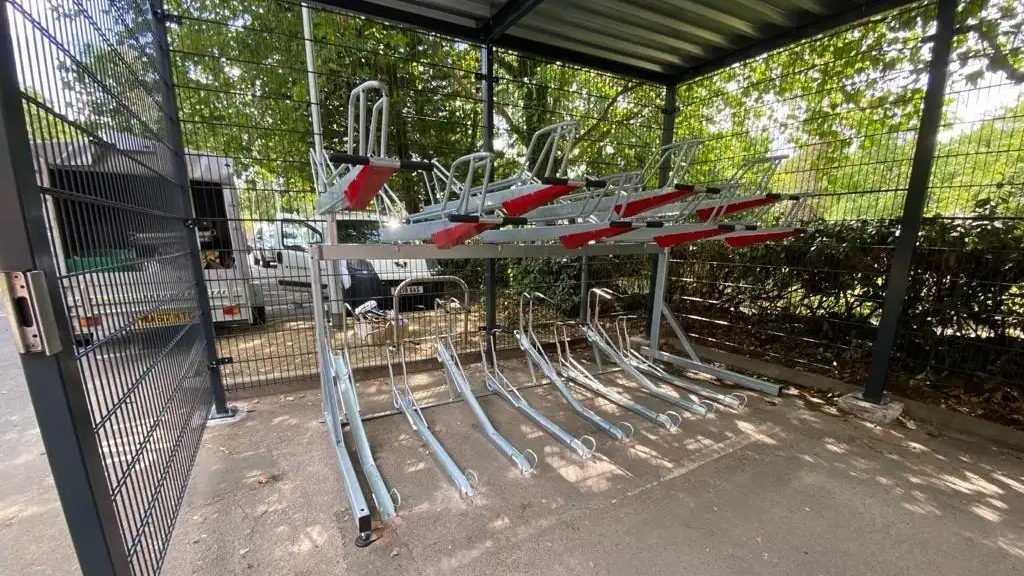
(696, 212)
(351, 180)
(469, 207)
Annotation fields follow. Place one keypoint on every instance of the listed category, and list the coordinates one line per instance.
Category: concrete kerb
(941, 418)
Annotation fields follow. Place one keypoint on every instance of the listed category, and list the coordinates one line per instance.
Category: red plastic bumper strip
(520, 205)
(634, 207)
(705, 213)
(760, 237)
(580, 239)
(679, 238)
(457, 234)
(367, 182)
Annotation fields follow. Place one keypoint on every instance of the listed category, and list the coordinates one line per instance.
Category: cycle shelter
(102, 185)
(538, 212)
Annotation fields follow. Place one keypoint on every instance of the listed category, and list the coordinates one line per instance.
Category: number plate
(165, 318)
(413, 289)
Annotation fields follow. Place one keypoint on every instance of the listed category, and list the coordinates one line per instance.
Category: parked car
(360, 280)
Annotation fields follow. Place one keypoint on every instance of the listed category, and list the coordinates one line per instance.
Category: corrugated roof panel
(661, 40)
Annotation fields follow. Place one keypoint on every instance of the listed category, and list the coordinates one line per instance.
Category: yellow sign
(165, 318)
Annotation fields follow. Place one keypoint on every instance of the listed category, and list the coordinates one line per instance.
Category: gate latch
(29, 311)
(221, 361)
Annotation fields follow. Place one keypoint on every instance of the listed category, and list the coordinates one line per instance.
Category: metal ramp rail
(602, 343)
(576, 372)
(734, 400)
(499, 384)
(536, 359)
(405, 401)
(692, 361)
(339, 398)
(457, 381)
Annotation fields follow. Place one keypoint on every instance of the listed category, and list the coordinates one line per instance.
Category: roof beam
(405, 17)
(787, 36)
(511, 11)
(548, 52)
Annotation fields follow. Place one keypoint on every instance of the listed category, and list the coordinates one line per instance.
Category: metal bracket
(30, 313)
(194, 223)
(221, 361)
(166, 18)
(480, 76)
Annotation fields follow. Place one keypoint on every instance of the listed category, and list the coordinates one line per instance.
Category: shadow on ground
(777, 488)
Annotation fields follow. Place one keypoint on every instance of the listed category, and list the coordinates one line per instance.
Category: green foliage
(845, 107)
(964, 309)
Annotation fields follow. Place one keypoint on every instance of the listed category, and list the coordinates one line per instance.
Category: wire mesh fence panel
(844, 110)
(565, 283)
(961, 338)
(619, 120)
(115, 213)
(619, 130)
(242, 80)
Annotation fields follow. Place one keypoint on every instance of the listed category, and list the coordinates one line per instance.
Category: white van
(361, 280)
(128, 269)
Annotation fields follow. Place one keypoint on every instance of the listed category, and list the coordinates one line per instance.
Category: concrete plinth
(884, 413)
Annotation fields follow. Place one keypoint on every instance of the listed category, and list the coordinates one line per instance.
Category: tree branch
(999, 60)
(607, 110)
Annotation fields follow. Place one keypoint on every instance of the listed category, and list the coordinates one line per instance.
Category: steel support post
(487, 98)
(54, 382)
(668, 131)
(913, 205)
(584, 285)
(660, 276)
(179, 173)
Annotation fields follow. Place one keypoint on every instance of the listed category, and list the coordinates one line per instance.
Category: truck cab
(116, 233)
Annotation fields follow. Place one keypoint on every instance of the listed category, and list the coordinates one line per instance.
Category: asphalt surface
(33, 536)
(784, 487)
(781, 488)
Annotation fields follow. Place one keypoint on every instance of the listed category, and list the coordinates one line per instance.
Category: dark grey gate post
(487, 97)
(668, 132)
(54, 381)
(180, 175)
(913, 205)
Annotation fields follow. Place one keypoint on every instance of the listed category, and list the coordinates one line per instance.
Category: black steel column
(913, 205)
(180, 175)
(668, 133)
(487, 98)
(55, 384)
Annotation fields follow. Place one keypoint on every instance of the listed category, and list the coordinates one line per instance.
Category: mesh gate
(101, 201)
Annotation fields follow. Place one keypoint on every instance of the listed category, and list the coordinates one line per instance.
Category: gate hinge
(221, 361)
(29, 311)
(166, 18)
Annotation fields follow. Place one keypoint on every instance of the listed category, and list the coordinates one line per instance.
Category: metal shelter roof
(663, 41)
